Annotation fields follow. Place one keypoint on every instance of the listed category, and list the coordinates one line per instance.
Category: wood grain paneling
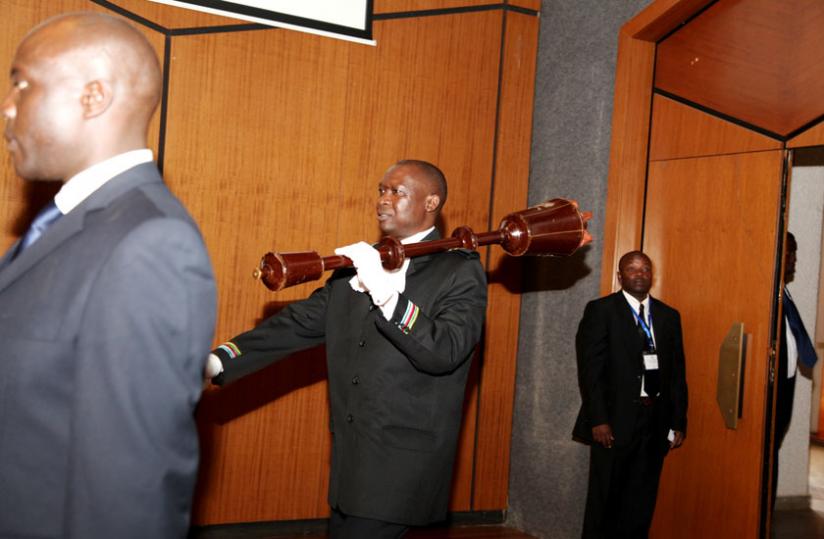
(510, 194)
(276, 140)
(661, 17)
(814, 136)
(171, 17)
(714, 261)
(628, 154)
(291, 162)
(402, 6)
(631, 128)
(679, 130)
(754, 60)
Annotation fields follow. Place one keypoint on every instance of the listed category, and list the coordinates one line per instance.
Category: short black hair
(630, 255)
(431, 173)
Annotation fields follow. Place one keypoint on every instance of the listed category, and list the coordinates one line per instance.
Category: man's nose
(8, 107)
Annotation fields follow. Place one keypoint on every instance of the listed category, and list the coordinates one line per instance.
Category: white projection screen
(343, 19)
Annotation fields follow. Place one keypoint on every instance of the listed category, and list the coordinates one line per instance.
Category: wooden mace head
(553, 228)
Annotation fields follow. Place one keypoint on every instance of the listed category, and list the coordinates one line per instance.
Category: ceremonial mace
(553, 228)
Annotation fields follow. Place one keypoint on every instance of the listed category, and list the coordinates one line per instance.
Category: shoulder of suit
(465, 254)
(661, 306)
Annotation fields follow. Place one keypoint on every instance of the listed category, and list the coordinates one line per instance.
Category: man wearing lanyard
(634, 400)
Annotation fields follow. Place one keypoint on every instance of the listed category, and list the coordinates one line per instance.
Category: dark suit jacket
(105, 323)
(395, 395)
(610, 368)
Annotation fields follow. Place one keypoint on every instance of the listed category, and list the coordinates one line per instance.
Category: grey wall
(570, 158)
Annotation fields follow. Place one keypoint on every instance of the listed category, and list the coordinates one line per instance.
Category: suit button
(355, 380)
(349, 418)
(362, 344)
(372, 307)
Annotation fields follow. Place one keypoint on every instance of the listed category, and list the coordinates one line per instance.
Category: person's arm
(592, 345)
(299, 326)
(439, 340)
(143, 338)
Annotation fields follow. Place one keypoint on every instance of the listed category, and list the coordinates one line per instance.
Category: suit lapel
(418, 263)
(71, 224)
(628, 327)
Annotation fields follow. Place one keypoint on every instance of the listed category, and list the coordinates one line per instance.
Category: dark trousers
(623, 483)
(342, 526)
(785, 393)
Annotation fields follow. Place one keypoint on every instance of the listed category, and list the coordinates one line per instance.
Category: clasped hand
(381, 284)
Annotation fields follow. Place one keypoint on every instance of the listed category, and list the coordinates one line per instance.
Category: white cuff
(388, 308)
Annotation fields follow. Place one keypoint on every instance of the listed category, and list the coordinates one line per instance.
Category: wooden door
(711, 228)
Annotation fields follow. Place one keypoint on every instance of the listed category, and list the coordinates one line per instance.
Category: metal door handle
(730, 387)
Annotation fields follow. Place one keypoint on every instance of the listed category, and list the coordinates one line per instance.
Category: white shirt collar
(80, 186)
(417, 236)
(634, 303)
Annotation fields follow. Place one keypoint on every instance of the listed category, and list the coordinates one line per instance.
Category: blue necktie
(806, 350)
(651, 381)
(43, 220)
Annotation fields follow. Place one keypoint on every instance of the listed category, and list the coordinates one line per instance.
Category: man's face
(635, 276)
(406, 204)
(790, 259)
(42, 112)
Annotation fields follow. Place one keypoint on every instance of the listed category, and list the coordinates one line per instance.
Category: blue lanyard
(647, 328)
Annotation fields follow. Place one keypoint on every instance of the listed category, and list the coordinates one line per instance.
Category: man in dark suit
(398, 346)
(634, 400)
(795, 346)
(107, 303)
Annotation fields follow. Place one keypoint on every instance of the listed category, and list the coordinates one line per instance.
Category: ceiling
(756, 62)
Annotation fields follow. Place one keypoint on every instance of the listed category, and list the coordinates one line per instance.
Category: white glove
(213, 367)
(381, 284)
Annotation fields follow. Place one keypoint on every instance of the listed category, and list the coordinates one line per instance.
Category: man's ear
(432, 202)
(96, 98)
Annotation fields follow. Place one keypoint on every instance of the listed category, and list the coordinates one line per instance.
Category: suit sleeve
(438, 341)
(299, 326)
(592, 345)
(144, 337)
(679, 380)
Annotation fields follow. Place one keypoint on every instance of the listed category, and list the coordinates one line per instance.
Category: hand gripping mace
(553, 228)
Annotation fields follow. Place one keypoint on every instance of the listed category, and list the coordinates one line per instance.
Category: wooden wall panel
(275, 140)
(814, 136)
(501, 343)
(176, 18)
(291, 162)
(631, 127)
(628, 154)
(679, 130)
(713, 261)
(661, 17)
(400, 6)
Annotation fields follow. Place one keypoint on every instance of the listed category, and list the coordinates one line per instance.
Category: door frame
(629, 155)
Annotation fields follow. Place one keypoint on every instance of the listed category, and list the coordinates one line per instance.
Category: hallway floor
(806, 523)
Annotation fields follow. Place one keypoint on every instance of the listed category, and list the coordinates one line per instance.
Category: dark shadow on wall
(541, 273)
